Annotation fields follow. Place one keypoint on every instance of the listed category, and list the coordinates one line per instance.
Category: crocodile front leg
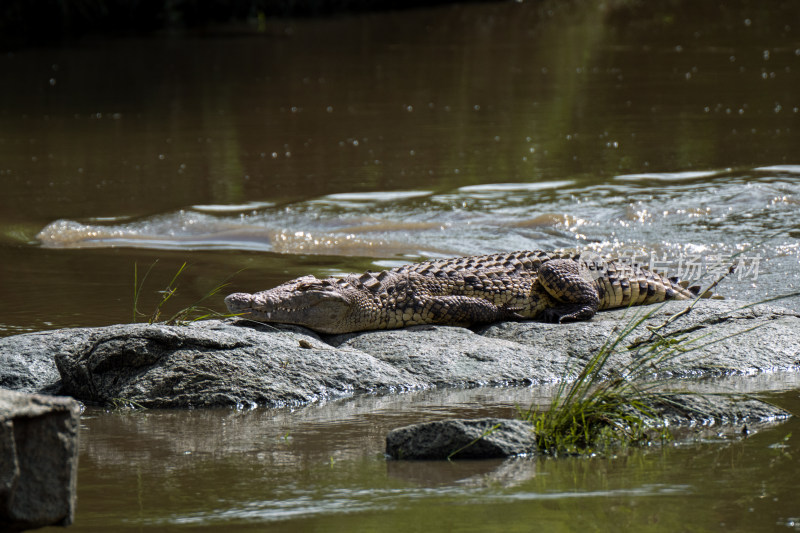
(573, 290)
(465, 310)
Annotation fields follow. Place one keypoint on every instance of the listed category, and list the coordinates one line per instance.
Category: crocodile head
(319, 304)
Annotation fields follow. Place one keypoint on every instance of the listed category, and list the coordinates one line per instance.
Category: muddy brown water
(363, 142)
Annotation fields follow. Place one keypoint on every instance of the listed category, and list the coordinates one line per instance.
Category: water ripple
(715, 212)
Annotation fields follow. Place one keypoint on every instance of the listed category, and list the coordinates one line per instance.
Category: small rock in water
(482, 438)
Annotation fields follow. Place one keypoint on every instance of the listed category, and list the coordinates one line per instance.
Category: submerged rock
(38, 460)
(239, 362)
(489, 438)
(714, 410)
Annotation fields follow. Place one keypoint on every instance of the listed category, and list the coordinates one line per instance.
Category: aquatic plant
(595, 411)
(190, 313)
(119, 404)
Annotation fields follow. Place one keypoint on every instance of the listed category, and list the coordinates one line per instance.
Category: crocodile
(464, 291)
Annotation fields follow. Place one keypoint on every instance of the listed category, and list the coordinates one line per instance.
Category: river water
(668, 134)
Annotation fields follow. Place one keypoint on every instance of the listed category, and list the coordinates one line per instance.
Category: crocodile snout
(239, 302)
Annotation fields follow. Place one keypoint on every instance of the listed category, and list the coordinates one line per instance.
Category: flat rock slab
(724, 336)
(239, 362)
(38, 460)
(489, 438)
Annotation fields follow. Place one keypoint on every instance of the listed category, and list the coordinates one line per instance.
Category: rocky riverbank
(236, 362)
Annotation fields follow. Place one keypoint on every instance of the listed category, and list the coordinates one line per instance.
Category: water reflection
(318, 462)
(472, 474)
(434, 99)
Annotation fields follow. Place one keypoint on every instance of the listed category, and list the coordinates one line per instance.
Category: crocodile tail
(695, 289)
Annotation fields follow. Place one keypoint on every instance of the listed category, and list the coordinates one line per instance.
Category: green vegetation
(118, 404)
(594, 411)
(191, 313)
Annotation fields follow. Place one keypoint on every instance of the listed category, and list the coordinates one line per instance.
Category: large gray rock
(217, 364)
(453, 356)
(38, 460)
(225, 363)
(723, 336)
(26, 361)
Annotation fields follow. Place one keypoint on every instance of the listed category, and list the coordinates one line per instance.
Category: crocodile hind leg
(573, 290)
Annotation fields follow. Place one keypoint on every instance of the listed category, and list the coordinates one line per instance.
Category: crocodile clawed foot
(552, 316)
(512, 313)
(572, 313)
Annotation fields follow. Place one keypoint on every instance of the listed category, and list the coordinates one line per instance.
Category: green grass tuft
(595, 411)
(119, 404)
(190, 313)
